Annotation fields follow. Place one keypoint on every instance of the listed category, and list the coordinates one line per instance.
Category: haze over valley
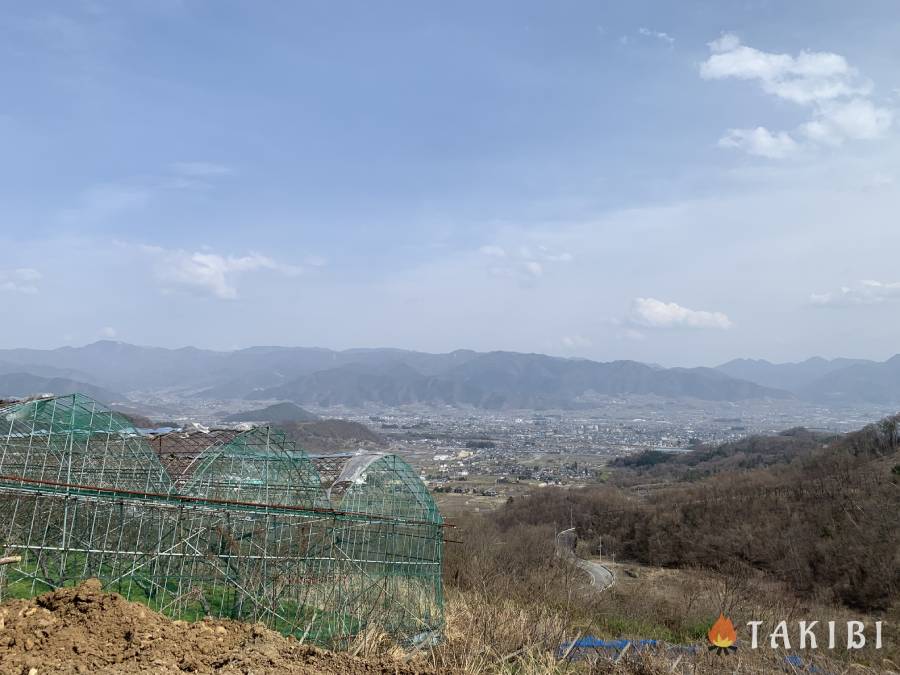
(464, 337)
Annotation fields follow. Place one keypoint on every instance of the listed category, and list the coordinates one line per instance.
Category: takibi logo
(722, 636)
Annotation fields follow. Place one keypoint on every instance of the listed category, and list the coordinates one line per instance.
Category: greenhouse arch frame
(234, 523)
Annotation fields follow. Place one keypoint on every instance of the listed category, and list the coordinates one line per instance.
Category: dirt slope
(84, 630)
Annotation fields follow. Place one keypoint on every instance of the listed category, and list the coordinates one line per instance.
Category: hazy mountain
(125, 367)
(788, 376)
(26, 384)
(387, 376)
(510, 380)
(268, 367)
(838, 381)
(46, 371)
(279, 413)
(865, 382)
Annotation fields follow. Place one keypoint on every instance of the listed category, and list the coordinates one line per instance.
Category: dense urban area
(475, 459)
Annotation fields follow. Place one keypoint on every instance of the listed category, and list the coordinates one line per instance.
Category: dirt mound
(84, 630)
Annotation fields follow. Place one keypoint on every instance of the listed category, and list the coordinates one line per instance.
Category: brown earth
(85, 630)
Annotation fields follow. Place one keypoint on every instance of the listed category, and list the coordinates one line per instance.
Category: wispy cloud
(22, 280)
(108, 200)
(658, 35)
(653, 313)
(201, 169)
(195, 175)
(210, 273)
(524, 263)
(760, 141)
(866, 292)
(836, 93)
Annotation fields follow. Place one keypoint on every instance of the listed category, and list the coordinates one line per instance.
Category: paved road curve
(601, 576)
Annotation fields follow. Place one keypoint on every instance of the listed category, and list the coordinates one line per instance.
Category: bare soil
(85, 630)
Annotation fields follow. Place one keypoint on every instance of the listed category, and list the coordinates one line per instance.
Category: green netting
(75, 440)
(239, 528)
(394, 560)
(259, 465)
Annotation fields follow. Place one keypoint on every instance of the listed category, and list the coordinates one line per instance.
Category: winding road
(601, 576)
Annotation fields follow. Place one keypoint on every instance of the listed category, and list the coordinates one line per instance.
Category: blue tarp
(588, 645)
(581, 647)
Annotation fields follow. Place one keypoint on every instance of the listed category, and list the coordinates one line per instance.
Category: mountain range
(844, 381)
(25, 384)
(492, 380)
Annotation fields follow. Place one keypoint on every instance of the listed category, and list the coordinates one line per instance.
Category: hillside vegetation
(277, 413)
(332, 435)
(812, 533)
(752, 452)
(823, 518)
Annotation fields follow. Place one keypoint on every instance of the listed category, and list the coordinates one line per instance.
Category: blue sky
(672, 182)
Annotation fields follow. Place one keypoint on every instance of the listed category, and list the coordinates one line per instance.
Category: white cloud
(652, 313)
(726, 42)
(210, 272)
(809, 77)
(22, 280)
(855, 119)
(866, 292)
(760, 142)
(823, 81)
(659, 35)
(108, 332)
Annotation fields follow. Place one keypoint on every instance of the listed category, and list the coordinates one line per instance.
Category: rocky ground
(84, 630)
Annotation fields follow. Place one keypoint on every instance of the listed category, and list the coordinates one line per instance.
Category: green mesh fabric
(75, 440)
(385, 485)
(393, 558)
(242, 529)
(259, 465)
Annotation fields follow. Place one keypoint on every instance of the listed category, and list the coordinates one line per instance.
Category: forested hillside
(823, 517)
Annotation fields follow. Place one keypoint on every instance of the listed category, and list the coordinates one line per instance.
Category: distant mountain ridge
(26, 384)
(788, 376)
(503, 380)
(493, 380)
(842, 381)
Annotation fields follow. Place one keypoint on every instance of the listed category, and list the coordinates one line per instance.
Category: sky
(679, 183)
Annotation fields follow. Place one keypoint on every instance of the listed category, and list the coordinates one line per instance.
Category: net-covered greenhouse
(229, 523)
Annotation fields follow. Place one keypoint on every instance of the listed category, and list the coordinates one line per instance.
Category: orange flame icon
(722, 635)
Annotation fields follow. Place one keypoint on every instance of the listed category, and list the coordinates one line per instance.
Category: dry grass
(510, 604)
(500, 636)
